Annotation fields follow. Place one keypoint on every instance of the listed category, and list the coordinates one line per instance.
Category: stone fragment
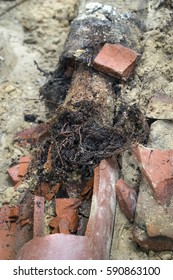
(161, 135)
(153, 226)
(127, 198)
(160, 107)
(116, 60)
(166, 256)
(157, 167)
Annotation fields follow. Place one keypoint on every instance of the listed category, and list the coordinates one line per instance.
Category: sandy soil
(36, 30)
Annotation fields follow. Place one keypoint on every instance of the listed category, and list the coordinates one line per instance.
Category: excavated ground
(36, 31)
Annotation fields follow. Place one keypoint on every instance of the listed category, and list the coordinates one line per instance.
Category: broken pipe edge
(96, 243)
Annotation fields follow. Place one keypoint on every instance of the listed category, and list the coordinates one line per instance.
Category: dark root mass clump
(77, 141)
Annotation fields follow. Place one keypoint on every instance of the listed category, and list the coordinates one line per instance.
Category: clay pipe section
(96, 243)
(101, 220)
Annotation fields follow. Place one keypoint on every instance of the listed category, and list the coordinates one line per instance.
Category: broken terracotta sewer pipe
(96, 243)
(95, 25)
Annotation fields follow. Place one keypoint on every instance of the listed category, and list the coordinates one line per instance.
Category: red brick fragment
(53, 191)
(13, 173)
(67, 219)
(157, 167)
(23, 165)
(38, 230)
(14, 213)
(25, 222)
(116, 60)
(47, 191)
(66, 210)
(48, 163)
(64, 227)
(33, 134)
(127, 198)
(88, 188)
(13, 235)
(18, 171)
(54, 225)
(44, 189)
(101, 220)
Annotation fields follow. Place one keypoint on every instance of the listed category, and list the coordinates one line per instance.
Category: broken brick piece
(67, 219)
(44, 189)
(13, 173)
(48, 163)
(66, 210)
(96, 243)
(54, 225)
(25, 222)
(53, 191)
(127, 198)
(13, 234)
(33, 134)
(64, 227)
(38, 230)
(47, 191)
(157, 167)
(14, 213)
(18, 171)
(116, 60)
(101, 220)
(88, 188)
(23, 165)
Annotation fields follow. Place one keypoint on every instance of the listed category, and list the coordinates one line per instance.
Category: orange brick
(127, 198)
(23, 165)
(116, 60)
(14, 213)
(157, 167)
(38, 216)
(13, 173)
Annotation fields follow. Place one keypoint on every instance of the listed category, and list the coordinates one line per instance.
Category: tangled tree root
(77, 142)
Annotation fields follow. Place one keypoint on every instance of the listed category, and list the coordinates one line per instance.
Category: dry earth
(36, 30)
